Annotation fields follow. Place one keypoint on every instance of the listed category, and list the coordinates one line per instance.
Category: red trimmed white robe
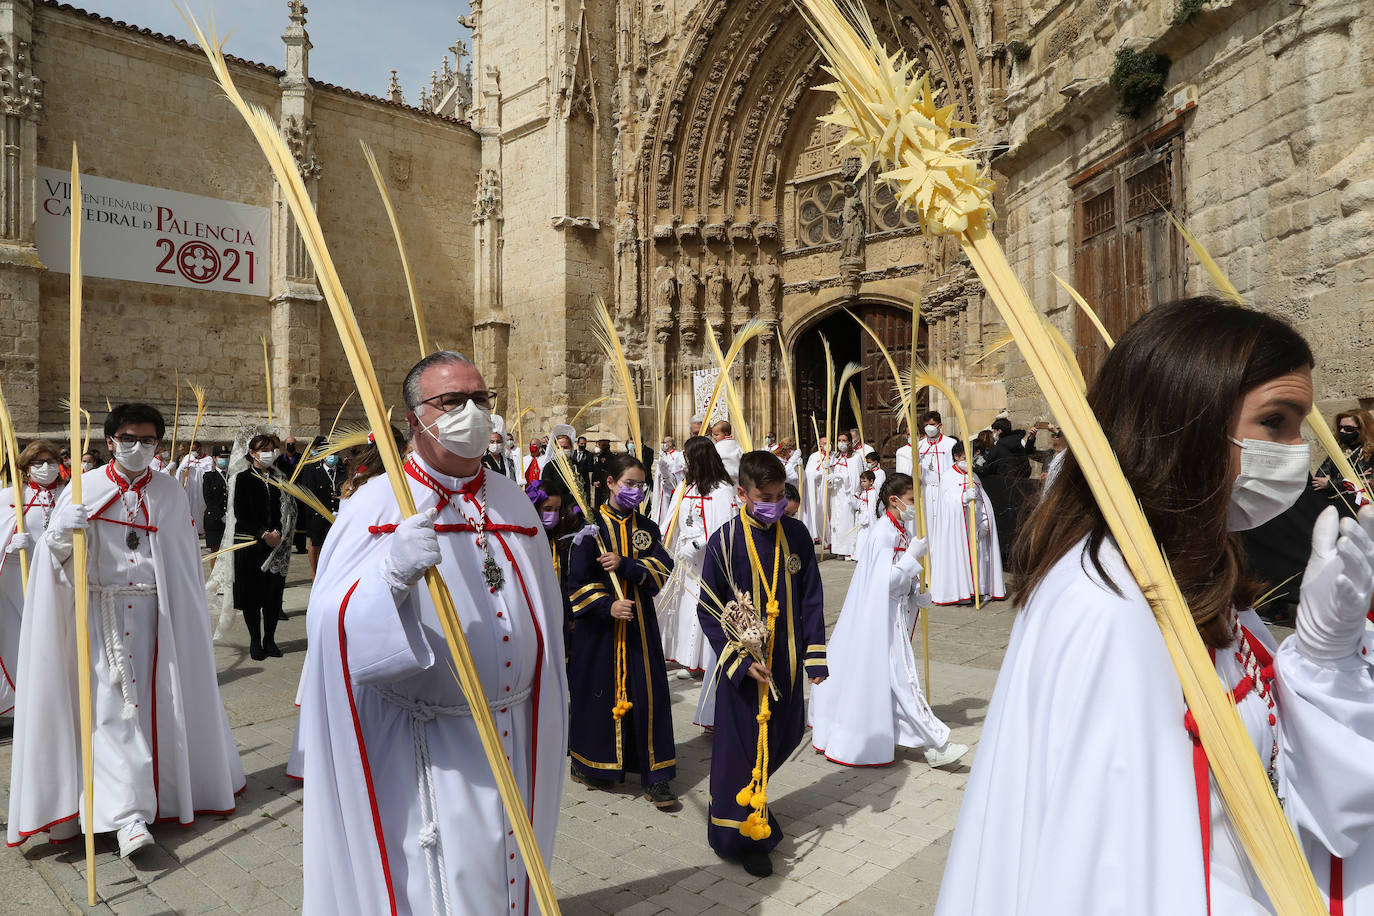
(951, 553)
(38, 504)
(1084, 795)
(162, 745)
(402, 813)
(937, 460)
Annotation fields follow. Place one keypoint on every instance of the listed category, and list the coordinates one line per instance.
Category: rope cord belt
(421, 714)
(112, 643)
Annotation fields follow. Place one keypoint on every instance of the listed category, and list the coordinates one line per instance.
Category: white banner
(703, 383)
(153, 235)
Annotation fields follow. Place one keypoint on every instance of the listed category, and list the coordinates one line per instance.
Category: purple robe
(798, 653)
(642, 741)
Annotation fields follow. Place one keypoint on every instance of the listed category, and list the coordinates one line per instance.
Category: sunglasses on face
(1349, 429)
(457, 400)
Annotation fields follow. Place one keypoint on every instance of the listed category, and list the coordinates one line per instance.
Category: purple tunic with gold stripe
(642, 741)
(798, 653)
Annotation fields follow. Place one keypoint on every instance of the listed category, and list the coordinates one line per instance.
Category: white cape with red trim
(872, 701)
(198, 767)
(813, 493)
(1083, 798)
(12, 589)
(951, 559)
(376, 767)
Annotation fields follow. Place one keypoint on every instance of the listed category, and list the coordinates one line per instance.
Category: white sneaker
(944, 756)
(683, 674)
(133, 837)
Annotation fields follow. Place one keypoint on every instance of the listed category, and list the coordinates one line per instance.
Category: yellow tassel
(743, 796)
(758, 801)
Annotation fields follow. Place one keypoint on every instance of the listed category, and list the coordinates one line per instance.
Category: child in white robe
(864, 502)
(843, 475)
(953, 556)
(873, 700)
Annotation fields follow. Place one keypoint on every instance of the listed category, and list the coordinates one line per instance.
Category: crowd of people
(587, 577)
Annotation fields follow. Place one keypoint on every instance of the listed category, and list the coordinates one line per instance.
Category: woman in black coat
(265, 513)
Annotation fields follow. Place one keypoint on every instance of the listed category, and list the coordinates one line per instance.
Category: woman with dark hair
(265, 513)
(616, 656)
(872, 702)
(40, 468)
(1086, 792)
(708, 501)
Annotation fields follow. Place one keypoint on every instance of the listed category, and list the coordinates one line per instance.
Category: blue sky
(357, 43)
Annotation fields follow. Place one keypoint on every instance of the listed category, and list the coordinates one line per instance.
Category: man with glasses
(162, 744)
(402, 808)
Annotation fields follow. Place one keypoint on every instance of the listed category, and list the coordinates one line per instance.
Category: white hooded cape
(872, 701)
(814, 491)
(12, 581)
(196, 764)
(730, 454)
(1083, 797)
(669, 469)
(383, 835)
(951, 556)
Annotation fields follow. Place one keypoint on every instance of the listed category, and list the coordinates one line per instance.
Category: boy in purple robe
(766, 559)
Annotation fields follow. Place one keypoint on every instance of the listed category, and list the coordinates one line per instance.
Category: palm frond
(1087, 310)
(301, 495)
(609, 340)
(415, 309)
(724, 384)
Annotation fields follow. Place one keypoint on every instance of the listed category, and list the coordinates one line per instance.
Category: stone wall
(142, 108)
(1276, 159)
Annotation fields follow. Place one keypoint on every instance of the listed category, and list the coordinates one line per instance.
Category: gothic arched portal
(882, 428)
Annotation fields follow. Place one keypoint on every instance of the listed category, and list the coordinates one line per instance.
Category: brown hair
(1365, 421)
(1166, 397)
(366, 463)
(35, 448)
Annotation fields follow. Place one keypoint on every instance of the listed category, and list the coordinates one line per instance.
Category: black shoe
(270, 648)
(255, 652)
(661, 795)
(757, 864)
(589, 781)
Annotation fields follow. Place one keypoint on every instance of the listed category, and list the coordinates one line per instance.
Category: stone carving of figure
(717, 168)
(741, 285)
(769, 285)
(627, 265)
(688, 283)
(715, 296)
(665, 166)
(665, 284)
(852, 235)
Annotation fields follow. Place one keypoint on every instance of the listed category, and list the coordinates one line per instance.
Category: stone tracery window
(887, 214)
(820, 207)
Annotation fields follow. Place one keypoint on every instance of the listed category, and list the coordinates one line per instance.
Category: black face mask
(1349, 436)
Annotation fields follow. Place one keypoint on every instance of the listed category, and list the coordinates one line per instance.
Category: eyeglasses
(457, 400)
(1056, 434)
(1349, 429)
(136, 440)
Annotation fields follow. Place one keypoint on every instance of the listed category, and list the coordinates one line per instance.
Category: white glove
(1337, 586)
(21, 540)
(64, 521)
(688, 547)
(969, 496)
(587, 531)
(414, 549)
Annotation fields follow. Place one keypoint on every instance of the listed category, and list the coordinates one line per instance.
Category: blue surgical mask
(331, 460)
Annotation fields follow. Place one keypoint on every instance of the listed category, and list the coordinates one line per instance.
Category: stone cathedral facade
(668, 157)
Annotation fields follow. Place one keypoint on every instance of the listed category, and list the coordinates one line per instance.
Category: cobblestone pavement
(858, 840)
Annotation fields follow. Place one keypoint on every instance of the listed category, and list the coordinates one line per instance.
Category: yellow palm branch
(724, 384)
(415, 309)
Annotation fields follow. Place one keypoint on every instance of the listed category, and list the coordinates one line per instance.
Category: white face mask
(43, 472)
(134, 457)
(961, 464)
(908, 513)
(86, 465)
(463, 432)
(495, 448)
(266, 457)
(932, 431)
(844, 446)
(1272, 478)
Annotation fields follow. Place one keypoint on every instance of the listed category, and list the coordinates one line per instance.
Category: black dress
(257, 591)
(325, 482)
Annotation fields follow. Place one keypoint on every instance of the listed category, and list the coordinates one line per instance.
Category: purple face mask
(629, 497)
(549, 518)
(768, 513)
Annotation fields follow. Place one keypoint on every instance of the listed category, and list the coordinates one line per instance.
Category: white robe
(937, 460)
(865, 504)
(951, 557)
(872, 701)
(815, 491)
(400, 803)
(730, 454)
(39, 502)
(792, 468)
(669, 469)
(843, 472)
(191, 474)
(903, 460)
(162, 745)
(698, 517)
(1083, 796)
